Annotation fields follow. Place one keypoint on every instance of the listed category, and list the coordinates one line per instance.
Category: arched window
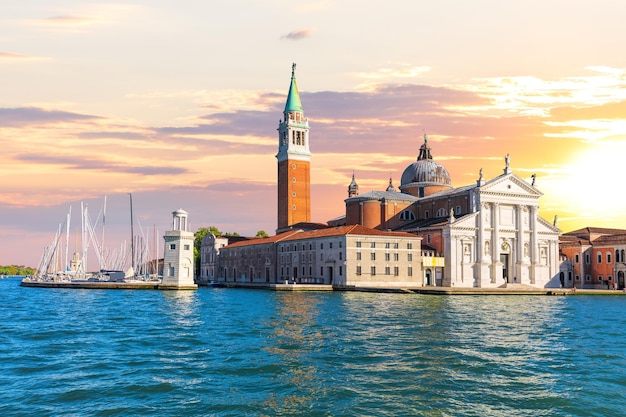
(407, 215)
(617, 258)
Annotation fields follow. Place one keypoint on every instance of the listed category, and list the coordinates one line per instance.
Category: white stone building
(178, 254)
(489, 233)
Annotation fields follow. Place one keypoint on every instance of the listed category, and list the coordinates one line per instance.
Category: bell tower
(294, 162)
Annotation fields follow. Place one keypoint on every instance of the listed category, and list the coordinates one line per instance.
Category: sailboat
(113, 265)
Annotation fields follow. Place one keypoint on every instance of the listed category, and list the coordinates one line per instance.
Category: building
(483, 235)
(489, 233)
(593, 257)
(209, 253)
(345, 256)
(178, 256)
(294, 162)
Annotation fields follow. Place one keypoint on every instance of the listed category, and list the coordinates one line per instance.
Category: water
(225, 352)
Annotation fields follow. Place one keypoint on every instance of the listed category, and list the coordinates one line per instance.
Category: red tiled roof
(354, 229)
(587, 231)
(260, 241)
(610, 240)
(291, 235)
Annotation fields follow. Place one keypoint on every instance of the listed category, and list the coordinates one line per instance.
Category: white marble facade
(504, 241)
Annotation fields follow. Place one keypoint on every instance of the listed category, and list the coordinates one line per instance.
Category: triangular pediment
(510, 184)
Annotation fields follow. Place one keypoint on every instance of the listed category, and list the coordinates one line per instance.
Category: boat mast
(67, 238)
(132, 235)
(104, 216)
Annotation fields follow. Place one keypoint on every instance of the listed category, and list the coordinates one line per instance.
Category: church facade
(489, 233)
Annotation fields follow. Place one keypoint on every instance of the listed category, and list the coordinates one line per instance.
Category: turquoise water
(225, 352)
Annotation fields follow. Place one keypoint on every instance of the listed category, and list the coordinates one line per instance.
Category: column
(534, 244)
(496, 267)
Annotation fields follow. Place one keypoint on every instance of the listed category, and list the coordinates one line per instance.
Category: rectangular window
(409, 256)
(409, 245)
(588, 278)
(609, 278)
(171, 274)
(172, 246)
(373, 256)
(340, 256)
(410, 271)
(587, 258)
(395, 245)
(387, 245)
(321, 270)
(186, 247)
(340, 244)
(599, 258)
(387, 270)
(358, 244)
(576, 258)
(577, 277)
(321, 246)
(373, 245)
(330, 245)
(358, 256)
(396, 256)
(396, 271)
(608, 258)
(387, 256)
(340, 270)
(428, 239)
(358, 270)
(373, 270)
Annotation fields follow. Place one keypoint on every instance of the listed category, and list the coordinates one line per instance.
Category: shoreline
(428, 290)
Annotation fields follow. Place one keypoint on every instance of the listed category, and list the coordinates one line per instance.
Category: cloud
(29, 116)
(12, 56)
(68, 20)
(298, 35)
(80, 163)
(403, 71)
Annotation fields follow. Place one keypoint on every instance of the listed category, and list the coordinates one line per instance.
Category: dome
(424, 174)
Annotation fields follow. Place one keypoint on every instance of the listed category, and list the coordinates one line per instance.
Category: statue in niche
(526, 249)
(487, 247)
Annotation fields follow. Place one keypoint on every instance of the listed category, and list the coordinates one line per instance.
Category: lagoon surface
(236, 352)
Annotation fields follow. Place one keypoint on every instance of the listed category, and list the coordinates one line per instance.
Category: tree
(197, 245)
(261, 233)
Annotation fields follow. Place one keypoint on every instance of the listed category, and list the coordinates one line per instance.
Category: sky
(178, 104)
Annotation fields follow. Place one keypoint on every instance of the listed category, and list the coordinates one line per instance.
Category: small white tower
(178, 257)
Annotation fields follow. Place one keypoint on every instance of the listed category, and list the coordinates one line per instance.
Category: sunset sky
(178, 102)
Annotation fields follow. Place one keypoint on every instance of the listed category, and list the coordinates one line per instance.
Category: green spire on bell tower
(293, 99)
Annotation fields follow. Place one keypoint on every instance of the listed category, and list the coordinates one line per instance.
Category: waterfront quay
(105, 285)
(509, 289)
